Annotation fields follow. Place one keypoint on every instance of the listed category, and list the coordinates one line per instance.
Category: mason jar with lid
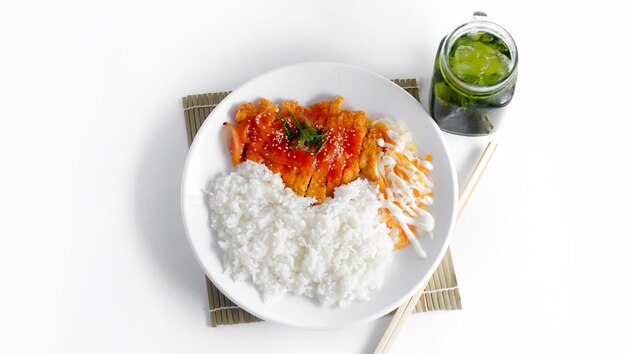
(474, 77)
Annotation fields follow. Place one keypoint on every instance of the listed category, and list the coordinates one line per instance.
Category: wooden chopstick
(476, 175)
(406, 308)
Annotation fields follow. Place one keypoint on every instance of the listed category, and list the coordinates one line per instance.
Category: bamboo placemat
(441, 293)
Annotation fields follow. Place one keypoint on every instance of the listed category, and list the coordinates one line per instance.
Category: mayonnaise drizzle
(405, 194)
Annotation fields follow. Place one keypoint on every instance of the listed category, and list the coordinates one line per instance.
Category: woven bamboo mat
(441, 293)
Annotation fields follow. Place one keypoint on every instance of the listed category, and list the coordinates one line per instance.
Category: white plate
(307, 83)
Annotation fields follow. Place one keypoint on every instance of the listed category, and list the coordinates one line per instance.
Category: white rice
(336, 252)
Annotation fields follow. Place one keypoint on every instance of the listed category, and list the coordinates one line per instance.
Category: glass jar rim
(477, 23)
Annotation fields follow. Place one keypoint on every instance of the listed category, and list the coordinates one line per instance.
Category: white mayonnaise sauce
(405, 193)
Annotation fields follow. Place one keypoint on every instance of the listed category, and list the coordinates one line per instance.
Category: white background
(92, 144)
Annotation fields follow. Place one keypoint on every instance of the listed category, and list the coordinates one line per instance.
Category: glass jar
(474, 77)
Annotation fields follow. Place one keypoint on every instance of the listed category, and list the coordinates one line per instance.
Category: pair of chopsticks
(406, 308)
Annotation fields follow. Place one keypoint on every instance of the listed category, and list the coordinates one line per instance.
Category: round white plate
(308, 83)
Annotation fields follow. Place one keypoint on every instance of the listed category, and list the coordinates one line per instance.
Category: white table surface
(94, 257)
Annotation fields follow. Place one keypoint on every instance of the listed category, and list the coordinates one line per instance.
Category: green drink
(474, 78)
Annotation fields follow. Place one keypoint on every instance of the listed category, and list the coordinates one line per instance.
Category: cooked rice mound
(336, 252)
